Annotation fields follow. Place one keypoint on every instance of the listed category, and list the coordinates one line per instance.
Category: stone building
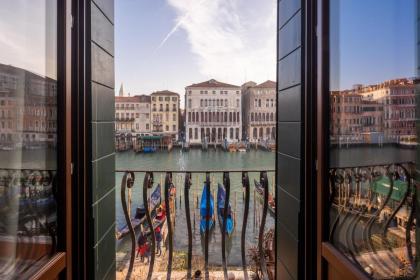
(28, 114)
(398, 100)
(375, 113)
(259, 110)
(346, 116)
(165, 112)
(213, 112)
(132, 113)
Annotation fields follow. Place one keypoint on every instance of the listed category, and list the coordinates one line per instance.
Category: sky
(372, 42)
(28, 35)
(170, 44)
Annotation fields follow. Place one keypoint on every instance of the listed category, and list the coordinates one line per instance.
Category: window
(360, 147)
(167, 128)
(147, 126)
(174, 117)
(174, 127)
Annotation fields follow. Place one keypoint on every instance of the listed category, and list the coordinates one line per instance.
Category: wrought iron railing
(28, 221)
(372, 213)
(127, 184)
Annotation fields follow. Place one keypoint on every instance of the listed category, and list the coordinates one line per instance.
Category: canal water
(196, 159)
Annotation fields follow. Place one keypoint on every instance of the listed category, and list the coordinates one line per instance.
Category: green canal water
(196, 159)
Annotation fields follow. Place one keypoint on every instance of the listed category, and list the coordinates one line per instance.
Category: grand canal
(192, 160)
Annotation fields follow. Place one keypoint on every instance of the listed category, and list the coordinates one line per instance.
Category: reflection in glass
(373, 137)
(28, 136)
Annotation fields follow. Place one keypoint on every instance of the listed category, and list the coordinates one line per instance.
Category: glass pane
(373, 137)
(28, 135)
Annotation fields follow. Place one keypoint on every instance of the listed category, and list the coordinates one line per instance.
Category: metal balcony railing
(127, 183)
(28, 220)
(372, 212)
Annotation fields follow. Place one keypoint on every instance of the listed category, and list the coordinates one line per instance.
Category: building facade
(28, 114)
(213, 112)
(165, 112)
(132, 114)
(383, 112)
(398, 100)
(259, 110)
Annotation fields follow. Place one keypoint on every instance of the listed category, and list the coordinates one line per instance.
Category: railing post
(264, 184)
(188, 217)
(245, 184)
(226, 183)
(128, 182)
(169, 185)
(147, 184)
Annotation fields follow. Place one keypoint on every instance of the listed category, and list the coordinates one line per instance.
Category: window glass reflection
(373, 136)
(28, 135)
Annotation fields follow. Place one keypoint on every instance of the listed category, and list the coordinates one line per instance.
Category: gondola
(140, 217)
(206, 216)
(230, 223)
(260, 197)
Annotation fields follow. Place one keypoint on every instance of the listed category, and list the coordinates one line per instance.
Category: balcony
(179, 193)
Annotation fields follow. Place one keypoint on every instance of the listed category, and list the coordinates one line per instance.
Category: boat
(260, 197)
(232, 147)
(242, 147)
(230, 222)
(206, 217)
(148, 150)
(140, 217)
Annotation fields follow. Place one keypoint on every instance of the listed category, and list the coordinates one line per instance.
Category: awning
(382, 186)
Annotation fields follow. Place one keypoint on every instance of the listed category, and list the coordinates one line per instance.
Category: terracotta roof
(266, 84)
(212, 84)
(135, 99)
(165, 92)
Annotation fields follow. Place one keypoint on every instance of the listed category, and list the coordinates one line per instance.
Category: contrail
(178, 24)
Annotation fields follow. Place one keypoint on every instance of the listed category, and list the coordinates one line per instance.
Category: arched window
(193, 117)
(234, 117)
(197, 117)
(237, 116)
(252, 117)
(231, 133)
(261, 132)
(254, 133)
(268, 133)
(189, 116)
(230, 116)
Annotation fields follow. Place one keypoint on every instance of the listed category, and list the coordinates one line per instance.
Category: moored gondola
(206, 216)
(260, 197)
(230, 222)
(140, 217)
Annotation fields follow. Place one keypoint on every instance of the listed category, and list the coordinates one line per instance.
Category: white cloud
(233, 40)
